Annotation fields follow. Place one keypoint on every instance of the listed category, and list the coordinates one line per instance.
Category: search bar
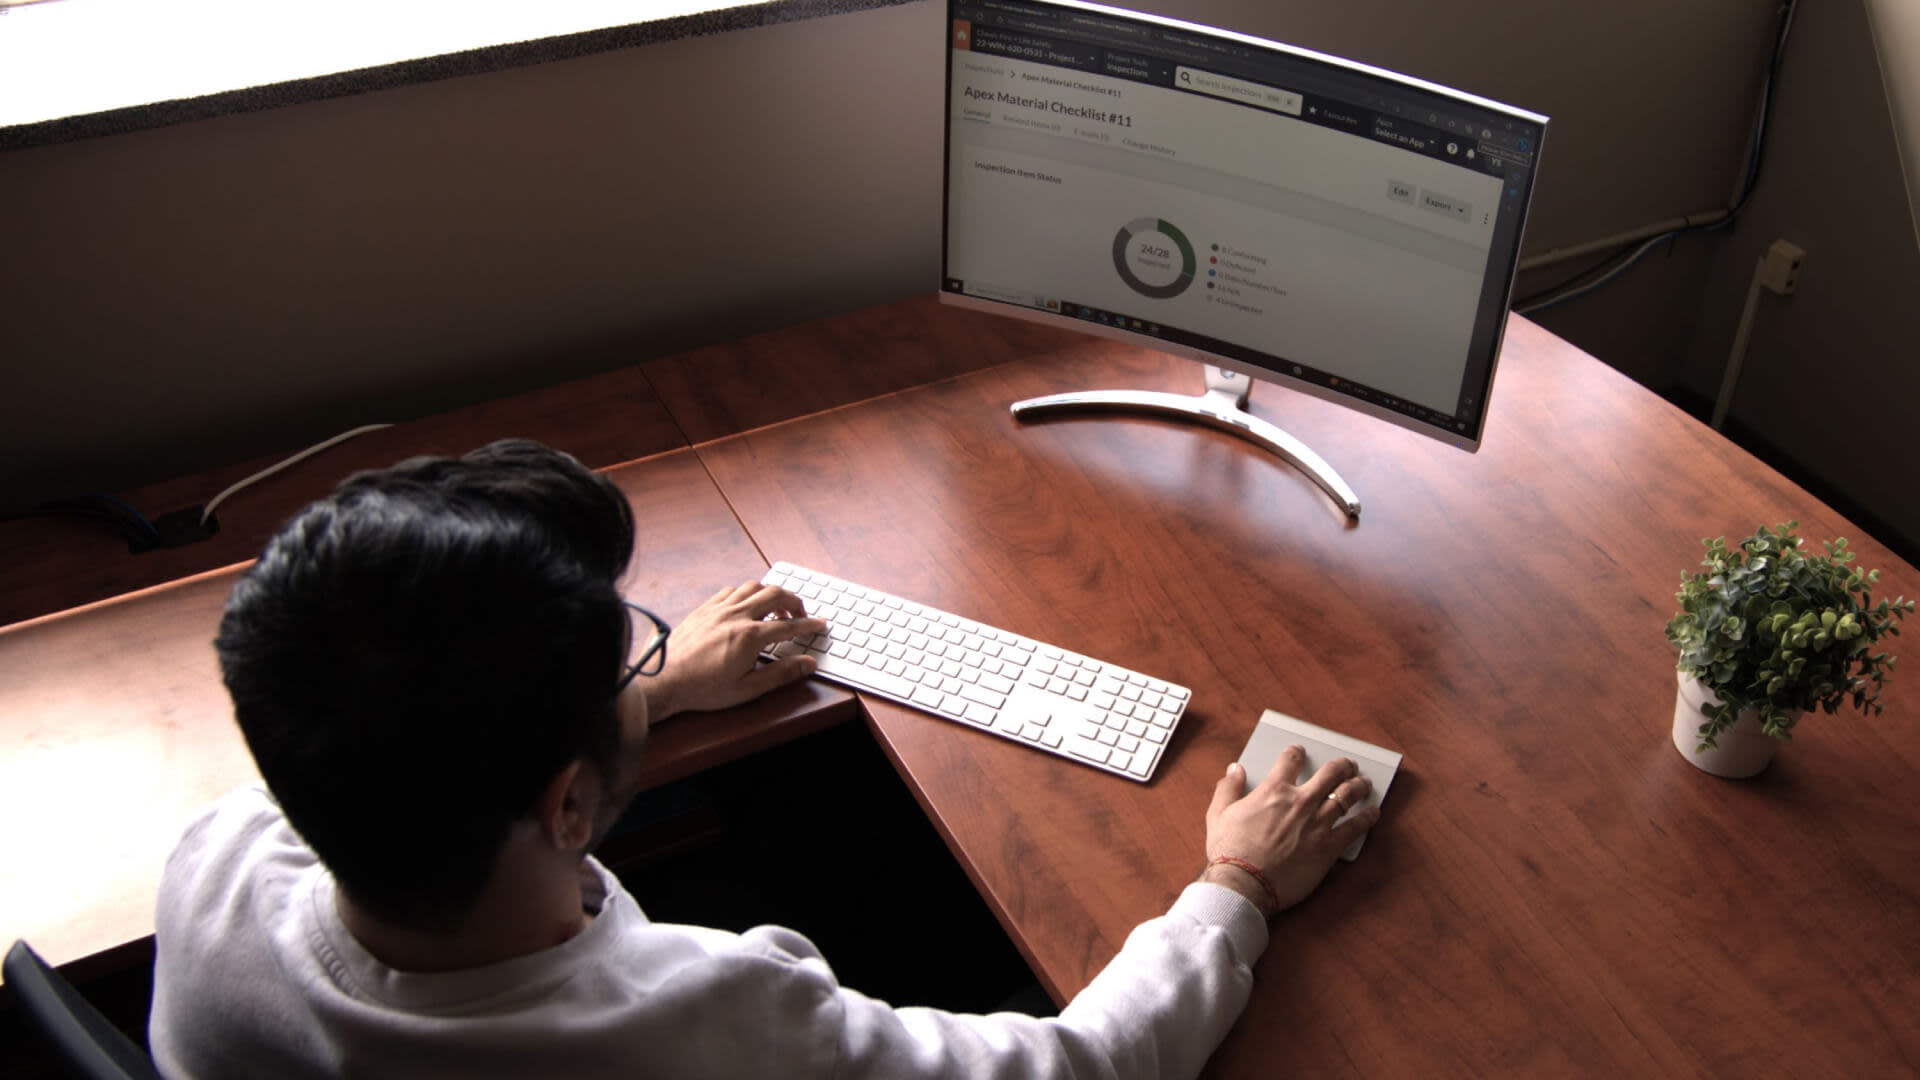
(1240, 90)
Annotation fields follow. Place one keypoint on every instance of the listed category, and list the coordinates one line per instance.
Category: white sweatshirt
(257, 976)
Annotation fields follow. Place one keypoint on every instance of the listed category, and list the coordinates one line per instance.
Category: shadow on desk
(819, 835)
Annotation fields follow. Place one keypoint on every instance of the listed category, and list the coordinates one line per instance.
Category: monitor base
(1223, 406)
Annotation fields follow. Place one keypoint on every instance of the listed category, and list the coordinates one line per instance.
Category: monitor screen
(1296, 217)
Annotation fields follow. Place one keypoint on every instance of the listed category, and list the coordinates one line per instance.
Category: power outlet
(1780, 269)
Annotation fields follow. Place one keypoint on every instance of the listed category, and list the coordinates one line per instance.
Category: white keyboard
(1051, 699)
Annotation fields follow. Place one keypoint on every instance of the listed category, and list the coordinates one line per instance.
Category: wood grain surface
(1553, 891)
(769, 378)
(51, 563)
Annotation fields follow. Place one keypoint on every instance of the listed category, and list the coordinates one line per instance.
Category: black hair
(415, 656)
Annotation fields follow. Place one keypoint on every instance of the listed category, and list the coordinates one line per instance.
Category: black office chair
(82, 1039)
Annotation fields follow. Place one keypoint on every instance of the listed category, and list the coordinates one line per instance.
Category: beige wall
(1832, 375)
(194, 294)
(189, 295)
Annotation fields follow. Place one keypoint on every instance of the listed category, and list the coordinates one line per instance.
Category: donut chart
(1147, 265)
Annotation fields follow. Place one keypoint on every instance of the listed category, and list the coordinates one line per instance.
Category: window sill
(75, 69)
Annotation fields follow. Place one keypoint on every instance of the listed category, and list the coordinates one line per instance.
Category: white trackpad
(1276, 731)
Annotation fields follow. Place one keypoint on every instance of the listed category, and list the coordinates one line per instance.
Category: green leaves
(1770, 628)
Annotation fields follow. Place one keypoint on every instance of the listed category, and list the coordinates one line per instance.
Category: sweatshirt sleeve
(1158, 1009)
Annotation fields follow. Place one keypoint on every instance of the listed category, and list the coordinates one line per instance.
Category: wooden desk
(1554, 891)
(115, 730)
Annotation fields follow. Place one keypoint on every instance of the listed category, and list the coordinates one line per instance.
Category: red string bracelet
(1236, 861)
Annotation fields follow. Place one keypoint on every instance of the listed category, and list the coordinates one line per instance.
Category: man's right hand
(1285, 830)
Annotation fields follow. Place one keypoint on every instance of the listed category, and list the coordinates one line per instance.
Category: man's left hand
(713, 657)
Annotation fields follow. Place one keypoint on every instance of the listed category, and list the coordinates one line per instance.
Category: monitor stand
(1224, 406)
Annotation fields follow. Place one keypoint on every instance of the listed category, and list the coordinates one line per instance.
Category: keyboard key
(984, 696)
(865, 676)
(1093, 753)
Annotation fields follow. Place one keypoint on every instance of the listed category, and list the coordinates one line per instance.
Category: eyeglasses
(653, 656)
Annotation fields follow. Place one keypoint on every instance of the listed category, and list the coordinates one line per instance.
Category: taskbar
(1174, 335)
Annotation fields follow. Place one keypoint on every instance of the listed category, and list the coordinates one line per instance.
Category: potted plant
(1767, 632)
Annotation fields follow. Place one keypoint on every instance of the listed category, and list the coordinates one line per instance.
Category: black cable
(1628, 253)
(1766, 111)
(1615, 261)
(131, 524)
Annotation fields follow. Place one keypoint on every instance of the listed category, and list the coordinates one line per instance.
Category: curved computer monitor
(1270, 211)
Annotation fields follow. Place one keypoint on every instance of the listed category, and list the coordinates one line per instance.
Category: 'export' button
(1444, 204)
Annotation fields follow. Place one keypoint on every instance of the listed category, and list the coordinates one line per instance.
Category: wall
(184, 296)
(176, 298)
(1830, 380)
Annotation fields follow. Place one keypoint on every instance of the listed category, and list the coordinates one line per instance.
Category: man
(448, 699)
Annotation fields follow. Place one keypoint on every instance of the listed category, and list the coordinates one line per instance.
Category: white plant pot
(1739, 752)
